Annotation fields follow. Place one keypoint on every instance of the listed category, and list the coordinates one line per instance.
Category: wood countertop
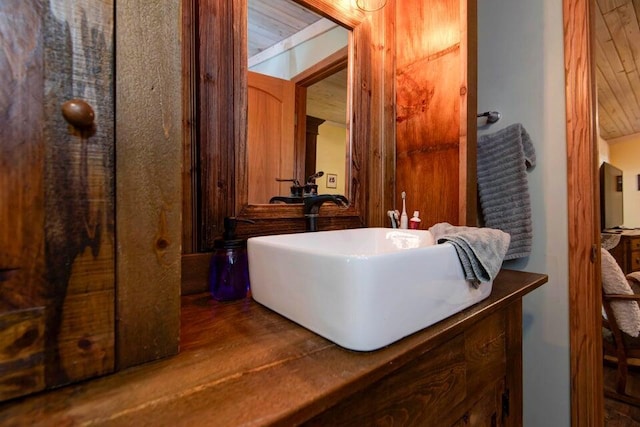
(242, 364)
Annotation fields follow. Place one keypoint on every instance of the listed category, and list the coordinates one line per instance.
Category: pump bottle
(229, 267)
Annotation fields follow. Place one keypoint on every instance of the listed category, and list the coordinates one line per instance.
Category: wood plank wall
(585, 288)
(149, 186)
(56, 195)
(433, 95)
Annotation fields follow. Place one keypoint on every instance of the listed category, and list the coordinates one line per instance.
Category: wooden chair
(619, 347)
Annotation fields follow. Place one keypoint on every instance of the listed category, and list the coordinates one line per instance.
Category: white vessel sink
(360, 288)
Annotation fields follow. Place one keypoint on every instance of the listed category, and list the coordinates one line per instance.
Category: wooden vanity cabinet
(243, 364)
(627, 252)
(472, 379)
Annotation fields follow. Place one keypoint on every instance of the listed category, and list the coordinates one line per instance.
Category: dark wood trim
(514, 363)
(323, 69)
(582, 200)
(219, 103)
(311, 144)
(195, 273)
(190, 132)
(469, 121)
(300, 154)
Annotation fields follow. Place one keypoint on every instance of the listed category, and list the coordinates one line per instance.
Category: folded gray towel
(481, 250)
(503, 160)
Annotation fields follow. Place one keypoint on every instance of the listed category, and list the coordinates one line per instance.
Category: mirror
(297, 95)
(219, 176)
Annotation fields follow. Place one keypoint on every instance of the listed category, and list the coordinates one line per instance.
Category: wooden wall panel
(432, 142)
(149, 185)
(56, 195)
(22, 260)
(585, 288)
(79, 192)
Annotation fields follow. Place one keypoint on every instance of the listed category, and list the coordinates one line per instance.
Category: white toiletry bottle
(414, 222)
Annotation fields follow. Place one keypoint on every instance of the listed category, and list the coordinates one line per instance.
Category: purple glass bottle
(229, 267)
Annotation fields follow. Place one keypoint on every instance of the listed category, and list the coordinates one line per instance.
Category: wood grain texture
(432, 101)
(57, 222)
(22, 352)
(221, 90)
(514, 364)
(149, 185)
(437, 388)
(22, 360)
(80, 170)
(582, 189)
(381, 157)
(190, 131)
(617, 56)
(270, 136)
(468, 210)
(244, 364)
(195, 273)
(21, 154)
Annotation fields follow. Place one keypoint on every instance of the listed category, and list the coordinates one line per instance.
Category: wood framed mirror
(217, 182)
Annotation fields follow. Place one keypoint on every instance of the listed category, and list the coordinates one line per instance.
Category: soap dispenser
(229, 267)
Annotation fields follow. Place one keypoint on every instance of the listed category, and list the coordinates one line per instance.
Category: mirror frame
(221, 105)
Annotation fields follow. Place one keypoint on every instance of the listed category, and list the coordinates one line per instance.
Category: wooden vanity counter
(242, 364)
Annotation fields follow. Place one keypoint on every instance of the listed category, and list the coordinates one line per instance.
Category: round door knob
(78, 113)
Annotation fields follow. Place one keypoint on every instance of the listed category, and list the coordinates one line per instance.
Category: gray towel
(481, 250)
(503, 160)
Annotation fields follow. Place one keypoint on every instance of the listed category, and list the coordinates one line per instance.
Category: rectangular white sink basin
(360, 288)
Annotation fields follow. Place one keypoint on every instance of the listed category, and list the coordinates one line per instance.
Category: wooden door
(56, 194)
(270, 137)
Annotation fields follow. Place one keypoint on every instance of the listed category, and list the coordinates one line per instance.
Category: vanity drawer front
(634, 244)
(635, 261)
(462, 379)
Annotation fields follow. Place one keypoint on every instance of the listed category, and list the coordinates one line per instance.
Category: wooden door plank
(79, 182)
(584, 231)
(22, 352)
(149, 185)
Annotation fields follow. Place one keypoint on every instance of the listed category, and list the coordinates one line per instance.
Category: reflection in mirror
(297, 100)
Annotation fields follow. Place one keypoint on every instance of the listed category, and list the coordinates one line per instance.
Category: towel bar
(492, 116)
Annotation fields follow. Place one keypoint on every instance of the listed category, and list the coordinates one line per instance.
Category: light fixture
(370, 5)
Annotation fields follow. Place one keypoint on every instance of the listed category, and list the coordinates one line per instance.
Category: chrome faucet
(312, 207)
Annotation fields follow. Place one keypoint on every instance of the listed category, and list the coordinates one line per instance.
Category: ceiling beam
(317, 28)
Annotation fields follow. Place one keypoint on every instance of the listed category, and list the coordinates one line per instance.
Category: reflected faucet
(285, 199)
(312, 207)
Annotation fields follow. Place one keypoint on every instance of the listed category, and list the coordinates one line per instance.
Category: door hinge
(505, 403)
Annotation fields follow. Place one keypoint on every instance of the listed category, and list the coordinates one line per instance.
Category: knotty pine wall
(435, 109)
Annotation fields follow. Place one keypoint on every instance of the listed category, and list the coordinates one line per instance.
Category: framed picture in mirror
(332, 180)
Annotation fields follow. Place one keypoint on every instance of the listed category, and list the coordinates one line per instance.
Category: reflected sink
(361, 288)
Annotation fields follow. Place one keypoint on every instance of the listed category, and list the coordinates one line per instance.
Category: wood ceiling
(618, 67)
(280, 24)
(271, 21)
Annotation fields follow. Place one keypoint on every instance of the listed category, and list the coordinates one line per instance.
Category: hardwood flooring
(616, 413)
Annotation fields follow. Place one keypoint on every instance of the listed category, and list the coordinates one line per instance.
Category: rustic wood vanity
(242, 364)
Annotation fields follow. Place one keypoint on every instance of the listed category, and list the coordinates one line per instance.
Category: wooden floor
(618, 414)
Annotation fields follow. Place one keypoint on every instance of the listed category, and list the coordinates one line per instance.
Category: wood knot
(162, 243)
(85, 344)
(25, 340)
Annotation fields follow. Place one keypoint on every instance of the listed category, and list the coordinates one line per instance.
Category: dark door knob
(78, 113)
